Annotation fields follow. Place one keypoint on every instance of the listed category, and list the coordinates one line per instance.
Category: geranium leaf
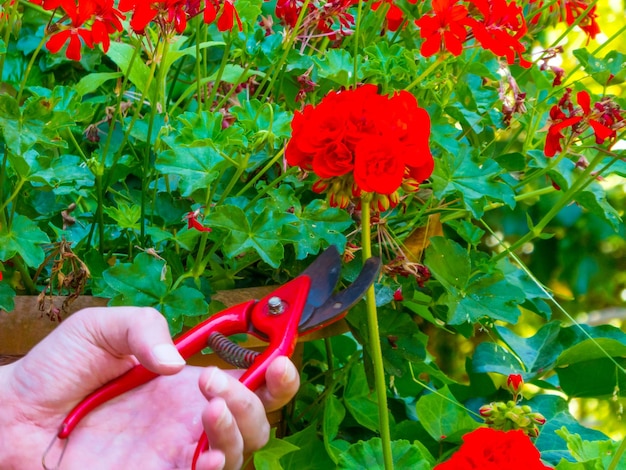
(443, 416)
(597, 454)
(360, 400)
(317, 226)
(197, 167)
(456, 174)
(448, 262)
(91, 82)
(136, 70)
(7, 297)
(336, 65)
(594, 200)
(147, 282)
(261, 232)
(23, 238)
(556, 411)
(591, 368)
(268, 458)
(607, 69)
(368, 455)
(310, 454)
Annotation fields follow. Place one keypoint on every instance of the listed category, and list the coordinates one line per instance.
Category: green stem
(7, 35)
(220, 73)
(355, 52)
(374, 339)
(277, 67)
(583, 180)
(618, 456)
(425, 73)
(28, 282)
(29, 67)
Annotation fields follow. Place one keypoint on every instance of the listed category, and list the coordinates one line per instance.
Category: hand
(155, 426)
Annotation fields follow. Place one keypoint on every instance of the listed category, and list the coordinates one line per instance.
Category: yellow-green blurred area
(593, 290)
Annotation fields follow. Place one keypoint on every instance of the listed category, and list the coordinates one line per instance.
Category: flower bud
(486, 410)
(320, 186)
(410, 185)
(538, 418)
(514, 384)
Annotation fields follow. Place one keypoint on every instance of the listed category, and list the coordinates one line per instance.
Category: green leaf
(336, 65)
(311, 454)
(368, 455)
(448, 262)
(360, 400)
(470, 298)
(268, 458)
(608, 70)
(538, 353)
(457, 175)
(334, 413)
(138, 73)
(25, 239)
(599, 454)
(594, 200)
(197, 167)
(147, 281)
(7, 297)
(317, 226)
(591, 368)
(91, 82)
(556, 411)
(260, 232)
(443, 416)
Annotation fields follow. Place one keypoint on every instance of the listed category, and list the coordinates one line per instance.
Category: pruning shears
(301, 306)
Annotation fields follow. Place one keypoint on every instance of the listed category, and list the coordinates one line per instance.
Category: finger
(246, 407)
(223, 433)
(282, 382)
(211, 460)
(138, 331)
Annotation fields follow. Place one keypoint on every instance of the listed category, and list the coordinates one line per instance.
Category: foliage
(146, 156)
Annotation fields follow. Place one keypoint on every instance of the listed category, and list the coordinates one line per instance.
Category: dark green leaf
(360, 400)
(443, 416)
(7, 297)
(556, 411)
(334, 413)
(23, 238)
(369, 456)
(260, 232)
(311, 454)
(457, 175)
(268, 458)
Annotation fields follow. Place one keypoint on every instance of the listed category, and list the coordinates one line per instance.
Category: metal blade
(324, 274)
(337, 304)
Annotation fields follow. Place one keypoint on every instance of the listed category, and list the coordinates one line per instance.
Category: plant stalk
(374, 338)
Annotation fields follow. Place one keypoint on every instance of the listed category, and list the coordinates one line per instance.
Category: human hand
(155, 426)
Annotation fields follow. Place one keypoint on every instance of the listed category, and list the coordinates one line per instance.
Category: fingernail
(217, 381)
(167, 355)
(289, 373)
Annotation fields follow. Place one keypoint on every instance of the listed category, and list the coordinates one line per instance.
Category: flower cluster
(573, 10)
(91, 22)
(497, 25)
(359, 141)
(604, 118)
(489, 449)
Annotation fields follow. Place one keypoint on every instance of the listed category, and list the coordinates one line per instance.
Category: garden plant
(154, 152)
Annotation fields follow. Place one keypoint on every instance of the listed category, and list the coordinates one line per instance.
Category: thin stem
(618, 456)
(425, 73)
(374, 338)
(29, 67)
(355, 53)
(220, 73)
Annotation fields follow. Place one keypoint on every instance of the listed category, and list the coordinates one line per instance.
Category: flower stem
(374, 339)
(618, 456)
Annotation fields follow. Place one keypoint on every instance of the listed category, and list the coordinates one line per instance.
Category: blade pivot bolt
(275, 305)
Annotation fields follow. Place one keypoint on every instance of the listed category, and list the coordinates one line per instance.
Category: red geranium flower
(489, 449)
(445, 29)
(500, 29)
(358, 141)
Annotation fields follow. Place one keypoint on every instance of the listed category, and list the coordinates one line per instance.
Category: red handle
(282, 331)
(230, 321)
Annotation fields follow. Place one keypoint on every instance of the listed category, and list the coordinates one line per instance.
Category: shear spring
(231, 352)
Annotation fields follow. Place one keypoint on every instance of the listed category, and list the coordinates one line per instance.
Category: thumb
(138, 331)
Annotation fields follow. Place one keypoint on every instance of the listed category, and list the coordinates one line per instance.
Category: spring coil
(231, 352)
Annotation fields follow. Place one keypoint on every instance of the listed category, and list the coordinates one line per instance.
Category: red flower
(360, 141)
(603, 118)
(500, 29)
(514, 382)
(489, 449)
(395, 16)
(576, 8)
(445, 29)
(193, 222)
